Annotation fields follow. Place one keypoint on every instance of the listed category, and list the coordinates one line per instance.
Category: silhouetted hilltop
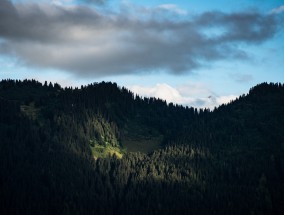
(100, 149)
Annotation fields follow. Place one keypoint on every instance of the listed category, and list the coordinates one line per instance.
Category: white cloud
(162, 91)
(173, 8)
(188, 95)
(61, 2)
(225, 99)
(277, 10)
(196, 89)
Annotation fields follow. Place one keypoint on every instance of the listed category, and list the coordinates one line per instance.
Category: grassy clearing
(135, 137)
(100, 151)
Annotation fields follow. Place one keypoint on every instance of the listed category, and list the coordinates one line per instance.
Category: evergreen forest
(100, 149)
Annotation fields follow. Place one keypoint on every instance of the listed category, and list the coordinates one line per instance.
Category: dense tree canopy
(100, 149)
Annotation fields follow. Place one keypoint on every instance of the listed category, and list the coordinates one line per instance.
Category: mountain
(100, 149)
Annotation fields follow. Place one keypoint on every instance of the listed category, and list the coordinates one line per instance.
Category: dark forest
(100, 149)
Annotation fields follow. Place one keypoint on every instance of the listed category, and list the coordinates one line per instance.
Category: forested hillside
(100, 149)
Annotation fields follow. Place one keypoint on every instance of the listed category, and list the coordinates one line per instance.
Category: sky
(197, 53)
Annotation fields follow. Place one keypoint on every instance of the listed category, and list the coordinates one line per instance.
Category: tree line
(225, 161)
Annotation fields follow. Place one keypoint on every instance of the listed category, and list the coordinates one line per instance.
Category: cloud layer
(192, 95)
(89, 43)
(278, 10)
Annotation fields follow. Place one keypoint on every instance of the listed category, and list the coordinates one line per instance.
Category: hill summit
(100, 149)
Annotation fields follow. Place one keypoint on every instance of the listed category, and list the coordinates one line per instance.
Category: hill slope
(228, 161)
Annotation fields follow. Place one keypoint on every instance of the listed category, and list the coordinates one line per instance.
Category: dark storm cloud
(243, 27)
(89, 43)
(45, 23)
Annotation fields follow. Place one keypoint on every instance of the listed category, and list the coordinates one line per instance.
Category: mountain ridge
(179, 159)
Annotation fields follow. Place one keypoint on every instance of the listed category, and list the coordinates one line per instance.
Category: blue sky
(181, 51)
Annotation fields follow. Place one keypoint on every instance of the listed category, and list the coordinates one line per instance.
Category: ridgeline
(100, 149)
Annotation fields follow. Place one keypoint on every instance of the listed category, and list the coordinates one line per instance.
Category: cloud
(173, 8)
(277, 10)
(67, 2)
(89, 43)
(192, 95)
(100, 2)
(162, 91)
